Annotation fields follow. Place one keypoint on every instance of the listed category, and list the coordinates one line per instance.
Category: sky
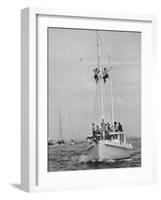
(71, 87)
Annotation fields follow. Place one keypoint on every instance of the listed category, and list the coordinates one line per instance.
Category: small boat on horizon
(50, 141)
(60, 141)
(72, 142)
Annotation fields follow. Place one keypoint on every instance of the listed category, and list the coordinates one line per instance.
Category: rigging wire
(116, 80)
(102, 53)
(107, 55)
(95, 105)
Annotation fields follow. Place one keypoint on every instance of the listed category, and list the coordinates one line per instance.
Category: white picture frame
(34, 175)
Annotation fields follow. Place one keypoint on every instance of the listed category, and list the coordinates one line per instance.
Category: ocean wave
(73, 157)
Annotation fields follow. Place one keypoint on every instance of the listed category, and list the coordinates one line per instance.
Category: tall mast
(70, 120)
(111, 91)
(60, 124)
(99, 67)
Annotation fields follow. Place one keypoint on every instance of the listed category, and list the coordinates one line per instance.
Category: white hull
(108, 150)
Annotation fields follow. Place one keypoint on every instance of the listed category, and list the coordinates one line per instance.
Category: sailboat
(60, 141)
(50, 141)
(108, 141)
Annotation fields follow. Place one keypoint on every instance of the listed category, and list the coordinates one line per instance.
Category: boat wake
(87, 159)
(84, 159)
(126, 159)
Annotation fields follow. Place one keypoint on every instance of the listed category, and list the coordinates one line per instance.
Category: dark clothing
(120, 128)
(96, 72)
(97, 132)
(105, 77)
(107, 137)
(96, 78)
(115, 125)
(108, 127)
(94, 134)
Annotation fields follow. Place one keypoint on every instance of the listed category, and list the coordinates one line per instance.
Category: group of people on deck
(97, 74)
(103, 130)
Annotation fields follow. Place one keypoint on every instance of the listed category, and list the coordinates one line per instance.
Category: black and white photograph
(94, 99)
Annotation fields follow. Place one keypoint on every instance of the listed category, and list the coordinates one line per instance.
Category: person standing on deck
(98, 133)
(115, 126)
(108, 126)
(120, 127)
(102, 130)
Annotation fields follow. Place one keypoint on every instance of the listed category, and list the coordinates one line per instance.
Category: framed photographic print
(86, 108)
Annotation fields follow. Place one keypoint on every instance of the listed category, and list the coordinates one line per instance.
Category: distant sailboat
(72, 141)
(50, 141)
(60, 141)
(107, 141)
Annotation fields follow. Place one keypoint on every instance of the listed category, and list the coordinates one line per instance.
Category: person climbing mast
(105, 75)
(96, 74)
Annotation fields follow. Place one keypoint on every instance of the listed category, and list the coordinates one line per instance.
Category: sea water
(69, 156)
